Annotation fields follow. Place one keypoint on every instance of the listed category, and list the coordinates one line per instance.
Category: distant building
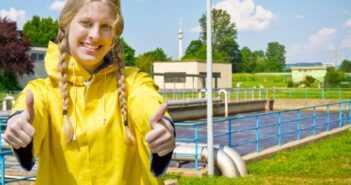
(191, 75)
(299, 74)
(38, 55)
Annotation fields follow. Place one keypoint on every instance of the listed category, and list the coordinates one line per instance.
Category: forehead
(97, 11)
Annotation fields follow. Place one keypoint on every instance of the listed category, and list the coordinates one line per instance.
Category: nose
(94, 33)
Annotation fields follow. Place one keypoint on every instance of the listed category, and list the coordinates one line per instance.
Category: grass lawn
(326, 162)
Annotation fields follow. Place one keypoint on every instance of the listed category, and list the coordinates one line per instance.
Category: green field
(251, 80)
(327, 162)
(267, 80)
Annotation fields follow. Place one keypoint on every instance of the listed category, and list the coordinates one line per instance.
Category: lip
(91, 48)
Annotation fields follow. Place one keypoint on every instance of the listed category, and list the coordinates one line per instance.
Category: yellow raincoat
(99, 156)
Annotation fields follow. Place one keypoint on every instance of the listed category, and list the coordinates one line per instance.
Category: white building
(191, 75)
(38, 55)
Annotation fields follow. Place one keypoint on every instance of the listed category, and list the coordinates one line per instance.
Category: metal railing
(249, 94)
(255, 132)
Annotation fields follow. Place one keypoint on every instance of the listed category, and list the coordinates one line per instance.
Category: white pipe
(220, 92)
(5, 100)
(210, 161)
(238, 160)
(202, 91)
(228, 161)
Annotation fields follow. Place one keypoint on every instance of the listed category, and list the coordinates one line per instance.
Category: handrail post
(230, 132)
(314, 120)
(257, 134)
(340, 115)
(298, 125)
(196, 148)
(323, 93)
(279, 128)
(328, 118)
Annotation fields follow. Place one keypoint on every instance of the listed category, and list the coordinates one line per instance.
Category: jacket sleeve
(143, 102)
(25, 156)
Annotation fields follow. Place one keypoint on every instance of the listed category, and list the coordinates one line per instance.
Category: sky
(311, 31)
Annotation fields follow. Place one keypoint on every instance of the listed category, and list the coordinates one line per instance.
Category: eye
(106, 27)
(85, 24)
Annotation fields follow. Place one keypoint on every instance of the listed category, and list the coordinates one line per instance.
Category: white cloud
(346, 42)
(196, 29)
(318, 47)
(298, 16)
(348, 23)
(246, 14)
(16, 15)
(57, 5)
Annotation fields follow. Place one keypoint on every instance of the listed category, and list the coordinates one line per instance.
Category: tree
(145, 60)
(345, 66)
(128, 53)
(14, 58)
(195, 51)
(40, 31)
(275, 54)
(224, 46)
(334, 77)
(247, 60)
(260, 61)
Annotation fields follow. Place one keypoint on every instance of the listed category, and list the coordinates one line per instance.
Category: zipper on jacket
(87, 85)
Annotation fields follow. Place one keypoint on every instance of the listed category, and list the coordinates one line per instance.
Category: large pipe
(227, 159)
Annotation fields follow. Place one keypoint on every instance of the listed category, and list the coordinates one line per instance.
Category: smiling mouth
(91, 48)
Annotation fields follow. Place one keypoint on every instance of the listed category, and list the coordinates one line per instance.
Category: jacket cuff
(24, 155)
(159, 164)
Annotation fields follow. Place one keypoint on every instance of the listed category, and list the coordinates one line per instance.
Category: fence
(255, 132)
(247, 94)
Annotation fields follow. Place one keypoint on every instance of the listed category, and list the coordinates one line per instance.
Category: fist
(161, 138)
(19, 132)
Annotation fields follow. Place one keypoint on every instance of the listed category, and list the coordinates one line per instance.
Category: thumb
(29, 106)
(158, 115)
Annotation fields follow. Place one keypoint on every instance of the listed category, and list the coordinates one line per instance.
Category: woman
(111, 122)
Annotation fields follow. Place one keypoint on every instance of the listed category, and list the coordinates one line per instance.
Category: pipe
(238, 160)
(220, 92)
(4, 102)
(202, 91)
(227, 159)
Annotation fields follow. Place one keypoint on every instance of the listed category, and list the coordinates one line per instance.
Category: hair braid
(62, 67)
(117, 54)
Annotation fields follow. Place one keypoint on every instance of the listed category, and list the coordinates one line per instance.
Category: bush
(8, 81)
(290, 83)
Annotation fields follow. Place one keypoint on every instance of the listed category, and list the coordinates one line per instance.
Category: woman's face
(90, 34)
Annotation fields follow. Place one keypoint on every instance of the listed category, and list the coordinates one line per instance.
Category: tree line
(38, 31)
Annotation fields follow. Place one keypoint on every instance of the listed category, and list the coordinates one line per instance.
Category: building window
(214, 74)
(38, 57)
(174, 77)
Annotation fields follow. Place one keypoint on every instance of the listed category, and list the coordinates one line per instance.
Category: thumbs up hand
(161, 138)
(19, 132)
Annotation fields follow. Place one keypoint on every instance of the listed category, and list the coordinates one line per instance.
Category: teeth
(90, 46)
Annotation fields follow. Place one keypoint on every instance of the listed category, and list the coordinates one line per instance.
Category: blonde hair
(68, 12)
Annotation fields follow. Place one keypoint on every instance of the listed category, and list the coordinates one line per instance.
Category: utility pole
(210, 160)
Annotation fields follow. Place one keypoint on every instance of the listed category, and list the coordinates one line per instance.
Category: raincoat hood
(76, 73)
